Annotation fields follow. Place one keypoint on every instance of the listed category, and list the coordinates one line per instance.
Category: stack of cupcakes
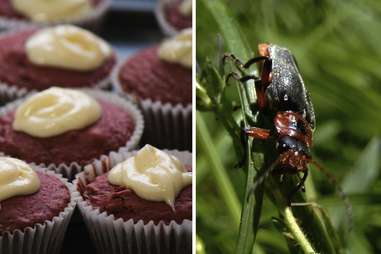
(62, 123)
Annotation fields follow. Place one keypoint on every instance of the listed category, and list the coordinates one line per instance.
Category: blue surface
(134, 5)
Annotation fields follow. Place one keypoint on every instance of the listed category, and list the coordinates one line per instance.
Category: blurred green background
(338, 48)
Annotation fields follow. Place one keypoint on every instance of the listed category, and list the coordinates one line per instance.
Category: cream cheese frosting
(52, 10)
(68, 47)
(152, 174)
(16, 178)
(55, 111)
(186, 8)
(178, 49)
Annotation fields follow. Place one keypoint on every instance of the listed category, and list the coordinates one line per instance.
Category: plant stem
(296, 231)
(224, 185)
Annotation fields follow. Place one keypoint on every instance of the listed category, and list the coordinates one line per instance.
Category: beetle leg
(235, 76)
(257, 133)
(238, 64)
(254, 60)
(298, 187)
(241, 65)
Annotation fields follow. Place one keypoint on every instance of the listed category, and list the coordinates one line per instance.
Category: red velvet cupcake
(174, 15)
(154, 218)
(34, 213)
(15, 14)
(28, 62)
(159, 78)
(83, 129)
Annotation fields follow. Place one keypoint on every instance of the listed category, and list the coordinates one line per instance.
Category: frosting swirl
(68, 47)
(186, 8)
(16, 178)
(178, 49)
(152, 174)
(56, 111)
(52, 10)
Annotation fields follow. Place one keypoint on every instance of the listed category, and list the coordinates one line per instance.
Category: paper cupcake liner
(166, 125)
(116, 236)
(43, 238)
(91, 21)
(165, 26)
(70, 169)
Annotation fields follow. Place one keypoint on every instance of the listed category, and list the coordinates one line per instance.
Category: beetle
(281, 89)
(281, 93)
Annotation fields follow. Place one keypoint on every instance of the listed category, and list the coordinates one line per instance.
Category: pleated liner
(43, 238)
(116, 236)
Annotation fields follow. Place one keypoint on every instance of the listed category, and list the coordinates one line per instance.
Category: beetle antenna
(332, 179)
(262, 175)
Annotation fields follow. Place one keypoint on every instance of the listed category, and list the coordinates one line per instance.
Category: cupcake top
(52, 10)
(44, 11)
(28, 197)
(67, 47)
(178, 13)
(152, 175)
(152, 185)
(178, 49)
(160, 73)
(16, 178)
(63, 126)
(63, 55)
(56, 111)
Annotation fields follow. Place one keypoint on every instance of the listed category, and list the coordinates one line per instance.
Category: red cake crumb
(175, 17)
(26, 211)
(146, 76)
(7, 9)
(124, 203)
(17, 70)
(109, 133)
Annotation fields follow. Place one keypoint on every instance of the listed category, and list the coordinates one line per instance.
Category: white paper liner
(117, 236)
(165, 26)
(70, 169)
(166, 125)
(43, 238)
(91, 21)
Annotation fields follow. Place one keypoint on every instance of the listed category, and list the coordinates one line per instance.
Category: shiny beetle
(281, 94)
(280, 89)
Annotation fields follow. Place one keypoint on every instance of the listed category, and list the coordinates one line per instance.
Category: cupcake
(16, 14)
(36, 207)
(65, 129)
(139, 201)
(159, 78)
(174, 15)
(66, 56)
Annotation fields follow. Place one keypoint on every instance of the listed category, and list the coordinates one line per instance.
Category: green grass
(338, 48)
